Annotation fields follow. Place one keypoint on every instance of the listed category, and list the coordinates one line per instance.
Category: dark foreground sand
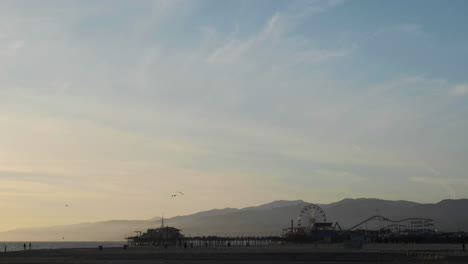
(273, 254)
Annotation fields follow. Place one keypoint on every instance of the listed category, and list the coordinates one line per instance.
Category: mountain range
(266, 219)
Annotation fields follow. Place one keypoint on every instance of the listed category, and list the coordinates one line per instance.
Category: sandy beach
(273, 254)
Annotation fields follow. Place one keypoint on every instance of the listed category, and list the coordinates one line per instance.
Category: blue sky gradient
(112, 106)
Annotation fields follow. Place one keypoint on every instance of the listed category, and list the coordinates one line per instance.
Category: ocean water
(16, 246)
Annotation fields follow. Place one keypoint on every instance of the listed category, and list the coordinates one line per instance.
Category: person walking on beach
(5, 248)
(24, 245)
(29, 245)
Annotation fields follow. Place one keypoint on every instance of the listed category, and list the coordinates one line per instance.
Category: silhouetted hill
(270, 218)
(213, 212)
(349, 212)
(275, 204)
(449, 215)
(263, 219)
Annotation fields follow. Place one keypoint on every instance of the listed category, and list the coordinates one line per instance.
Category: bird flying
(177, 194)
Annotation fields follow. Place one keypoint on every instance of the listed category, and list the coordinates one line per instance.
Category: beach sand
(271, 254)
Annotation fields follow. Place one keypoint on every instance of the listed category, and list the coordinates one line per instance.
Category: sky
(111, 107)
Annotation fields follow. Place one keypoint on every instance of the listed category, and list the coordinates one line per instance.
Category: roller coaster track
(374, 217)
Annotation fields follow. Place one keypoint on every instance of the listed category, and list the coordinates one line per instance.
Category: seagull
(177, 194)
(67, 205)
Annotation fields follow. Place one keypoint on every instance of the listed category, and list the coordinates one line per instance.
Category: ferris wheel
(310, 215)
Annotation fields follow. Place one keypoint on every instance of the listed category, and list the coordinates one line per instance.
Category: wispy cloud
(274, 38)
(448, 184)
(459, 90)
(406, 28)
(441, 181)
(220, 98)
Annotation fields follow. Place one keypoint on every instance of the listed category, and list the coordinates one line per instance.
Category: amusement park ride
(312, 224)
(311, 227)
(315, 219)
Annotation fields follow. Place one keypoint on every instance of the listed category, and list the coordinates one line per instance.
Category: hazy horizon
(271, 218)
(107, 109)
